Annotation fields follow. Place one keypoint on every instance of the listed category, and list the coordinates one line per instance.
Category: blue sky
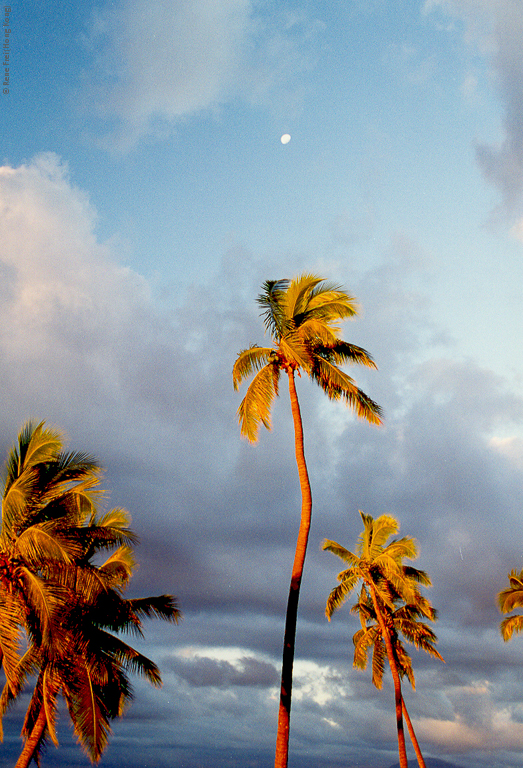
(145, 195)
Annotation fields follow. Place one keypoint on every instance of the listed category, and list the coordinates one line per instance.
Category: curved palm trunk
(31, 744)
(410, 727)
(284, 714)
(395, 677)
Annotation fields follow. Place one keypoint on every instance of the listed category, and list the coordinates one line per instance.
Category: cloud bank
(83, 345)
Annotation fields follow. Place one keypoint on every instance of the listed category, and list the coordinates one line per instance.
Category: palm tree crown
(302, 317)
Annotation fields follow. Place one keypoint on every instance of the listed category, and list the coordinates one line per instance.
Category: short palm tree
(53, 592)
(44, 488)
(89, 666)
(403, 620)
(378, 566)
(302, 317)
(509, 599)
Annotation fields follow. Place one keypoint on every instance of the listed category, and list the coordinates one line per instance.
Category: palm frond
(375, 534)
(118, 567)
(332, 546)
(271, 301)
(511, 624)
(296, 296)
(88, 712)
(44, 542)
(379, 657)
(250, 361)
(339, 594)
(256, 405)
(512, 596)
(337, 385)
(344, 353)
(11, 622)
(295, 353)
(49, 692)
(160, 607)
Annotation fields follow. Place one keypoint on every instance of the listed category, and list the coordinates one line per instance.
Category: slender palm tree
(403, 620)
(302, 317)
(509, 599)
(379, 566)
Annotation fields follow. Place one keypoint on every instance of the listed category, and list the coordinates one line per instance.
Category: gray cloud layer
(82, 345)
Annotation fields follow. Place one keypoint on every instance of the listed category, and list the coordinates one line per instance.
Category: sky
(145, 196)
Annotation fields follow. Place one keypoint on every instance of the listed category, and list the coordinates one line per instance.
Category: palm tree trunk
(417, 750)
(30, 745)
(284, 714)
(395, 677)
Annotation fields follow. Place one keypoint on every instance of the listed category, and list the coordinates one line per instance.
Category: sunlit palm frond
(87, 711)
(317, 334)
(511, 625)
(255, 407)
(43, 598)
(295, 298)
(106, 533)
(346, 555)
(420, 577)
(117, 569)
(11, 623)
(512, 596)
(294, 352)
(375, 534)
(50, 689)
(339, 594)
(16, 509)
(379, 658)
(44, 542)
(363, 641)
(35, 445)
(250, 361)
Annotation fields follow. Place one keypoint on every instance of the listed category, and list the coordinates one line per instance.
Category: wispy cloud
(161, 63)
(496, 30)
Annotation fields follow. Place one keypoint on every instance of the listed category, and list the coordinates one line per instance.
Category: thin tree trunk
(284, 714)
(402, 749)
(32, 742)
(417, 750)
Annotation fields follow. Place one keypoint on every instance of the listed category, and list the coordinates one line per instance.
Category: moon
(285, 138)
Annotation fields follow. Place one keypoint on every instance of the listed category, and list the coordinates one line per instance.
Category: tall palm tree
(302, 317)
(379, 567)
(509, 599)
(403, 620)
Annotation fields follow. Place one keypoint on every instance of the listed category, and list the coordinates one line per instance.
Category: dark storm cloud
(203, 671)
